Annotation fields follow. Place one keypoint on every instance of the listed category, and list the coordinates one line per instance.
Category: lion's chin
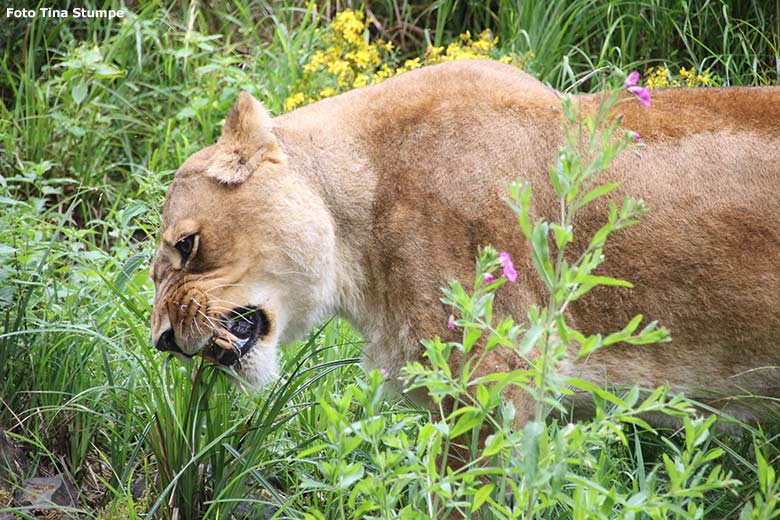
(259, 366)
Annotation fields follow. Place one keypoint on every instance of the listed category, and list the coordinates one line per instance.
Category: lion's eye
(185, 247)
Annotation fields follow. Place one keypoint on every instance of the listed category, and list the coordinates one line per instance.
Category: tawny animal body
(366, 204)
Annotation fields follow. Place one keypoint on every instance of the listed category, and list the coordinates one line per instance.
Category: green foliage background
(96, 115)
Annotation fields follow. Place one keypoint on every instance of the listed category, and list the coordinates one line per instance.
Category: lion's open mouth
(247, 325)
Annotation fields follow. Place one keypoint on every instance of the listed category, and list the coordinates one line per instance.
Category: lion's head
(246, 254)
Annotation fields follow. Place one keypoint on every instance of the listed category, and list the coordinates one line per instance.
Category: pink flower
(635, 136)
(383, 371)
(488, 278)
(631, 80)
(451, 322)
(642, 93)
(509, 268)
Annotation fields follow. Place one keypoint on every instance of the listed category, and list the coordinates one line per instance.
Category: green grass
(95, 117)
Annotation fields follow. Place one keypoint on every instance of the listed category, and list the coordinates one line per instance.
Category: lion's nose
(167, 342)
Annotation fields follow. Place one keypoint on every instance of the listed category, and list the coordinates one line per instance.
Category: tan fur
(366, 204)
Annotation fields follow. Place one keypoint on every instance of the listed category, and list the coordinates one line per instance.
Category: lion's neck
(335, 170)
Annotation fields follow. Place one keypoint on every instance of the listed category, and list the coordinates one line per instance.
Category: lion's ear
(248, 134)
(248, 123)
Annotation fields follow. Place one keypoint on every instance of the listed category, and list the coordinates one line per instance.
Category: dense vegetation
(96, 115)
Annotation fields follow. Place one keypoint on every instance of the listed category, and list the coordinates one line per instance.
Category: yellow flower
(348, 25)
(657, 77)
(361, 81)
(316, 61)
(383, 73)
(337, 67)
(364, 57)
(327, 92)
(432, 53)
(703, 78)
(409, 65)
(349, 60)
(484, 44)
(293, 101)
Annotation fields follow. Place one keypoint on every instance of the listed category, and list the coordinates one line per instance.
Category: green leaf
(594, 194)
(590, 344)
(105, 71)
(530, 339)
(541, 254)
(128, 269)
(637, 421)
(601, 235)
(593, 388)
(470, 338)
(522, 194)
(79, 93)
(563, 235)
(481, 496)
(625, 334)
(562, 328)
(493, 444)
(352, 474)
(747, 512)
(470, 418)
(483, 396)
(606, 280)
(636, 501)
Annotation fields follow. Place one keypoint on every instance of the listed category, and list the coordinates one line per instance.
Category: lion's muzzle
(246, 325)
(167, 343)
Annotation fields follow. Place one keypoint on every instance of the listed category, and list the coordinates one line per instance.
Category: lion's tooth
(224, 343)
(228, 336)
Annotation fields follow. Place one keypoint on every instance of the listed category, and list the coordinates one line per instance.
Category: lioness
(366, 204)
